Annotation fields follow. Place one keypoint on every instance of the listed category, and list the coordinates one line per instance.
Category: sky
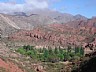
(84, 7)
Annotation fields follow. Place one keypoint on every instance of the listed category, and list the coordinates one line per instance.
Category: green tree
(56, 51)
(45, 54)
(31, 47)
(61, 51)
(50, 51)
(41, 57)
(27, 48)
(24, 47)
(53, 58)
(40, 50)
(61, 56)
(66, 56)
(81, 51)
(21, 51)
(32, 53)
(69, 49)
(77, 50)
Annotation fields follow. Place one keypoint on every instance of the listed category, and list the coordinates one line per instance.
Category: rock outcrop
(59, 34)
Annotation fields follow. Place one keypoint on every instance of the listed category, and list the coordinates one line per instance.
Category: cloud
(27, 6)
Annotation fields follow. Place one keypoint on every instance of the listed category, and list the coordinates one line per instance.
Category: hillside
(73, 33)
(20, 20)
(43, 31)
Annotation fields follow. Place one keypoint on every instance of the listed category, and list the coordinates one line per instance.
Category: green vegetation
(52, 55)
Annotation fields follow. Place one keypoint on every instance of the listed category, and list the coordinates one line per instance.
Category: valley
(45, 43)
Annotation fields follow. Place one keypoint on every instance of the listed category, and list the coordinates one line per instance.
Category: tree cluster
(52, 55)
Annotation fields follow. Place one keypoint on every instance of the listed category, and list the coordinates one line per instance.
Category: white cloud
(35, 4)
(28, 5)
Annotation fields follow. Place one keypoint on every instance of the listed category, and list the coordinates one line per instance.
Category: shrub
(21, 51)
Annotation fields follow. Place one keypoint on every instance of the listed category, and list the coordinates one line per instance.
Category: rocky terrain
(42, 29)
(19, 20)
(76, 32)
(8, 66)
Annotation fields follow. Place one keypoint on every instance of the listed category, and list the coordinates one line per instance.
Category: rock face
(38, 68)
(80, 17)
(55, 34)
(58, 34)
(21, 20)
(7, 26)
(87, 65)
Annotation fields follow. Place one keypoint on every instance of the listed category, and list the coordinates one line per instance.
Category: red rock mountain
(20, 20)
(74, 33)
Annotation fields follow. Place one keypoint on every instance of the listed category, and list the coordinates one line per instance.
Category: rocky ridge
(58, 34)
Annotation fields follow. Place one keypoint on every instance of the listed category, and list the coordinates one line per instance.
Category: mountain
(49, 29)
(78, 32)
(61, 17)
(20, 20)
(11, 23)
(7, 26)
(80, 17)
(19, 14)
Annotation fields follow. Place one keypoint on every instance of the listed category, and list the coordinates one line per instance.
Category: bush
(21, 51)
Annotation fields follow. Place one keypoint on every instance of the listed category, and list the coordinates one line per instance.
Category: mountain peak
(80, 17)
(19, 14)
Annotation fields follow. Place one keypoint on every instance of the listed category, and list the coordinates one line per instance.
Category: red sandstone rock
(58, 34)
(9, 66)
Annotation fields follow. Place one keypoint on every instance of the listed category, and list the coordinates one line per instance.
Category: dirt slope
(7, 66)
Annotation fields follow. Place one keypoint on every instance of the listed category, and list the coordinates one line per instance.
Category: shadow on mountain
(87, 66)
